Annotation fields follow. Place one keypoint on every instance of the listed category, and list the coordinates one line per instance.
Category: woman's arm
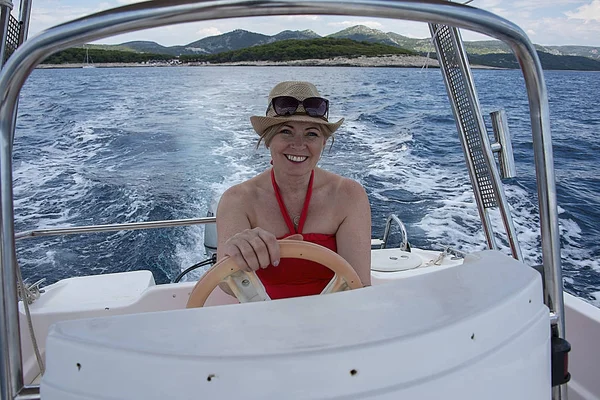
(354, 233)
(251, 248)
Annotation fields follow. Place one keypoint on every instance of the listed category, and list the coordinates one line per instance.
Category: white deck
(423, 337)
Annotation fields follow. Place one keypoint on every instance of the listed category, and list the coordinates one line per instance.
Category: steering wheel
(247, 286)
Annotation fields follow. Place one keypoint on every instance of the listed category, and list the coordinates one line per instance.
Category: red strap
(283, 209)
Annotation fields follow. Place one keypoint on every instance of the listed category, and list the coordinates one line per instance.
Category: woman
(294, 199)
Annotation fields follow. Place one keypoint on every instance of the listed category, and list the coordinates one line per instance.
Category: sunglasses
(287, 105)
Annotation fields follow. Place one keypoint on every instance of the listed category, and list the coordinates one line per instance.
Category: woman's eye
(314, 134)
(286, 131)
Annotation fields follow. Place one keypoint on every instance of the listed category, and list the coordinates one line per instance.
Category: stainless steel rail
(503, 145)
(166, 12)
(74, 230)
(24, 17)
(5, 9)
(388, 227)
(10, 345)
(469, 123)
(485, 179)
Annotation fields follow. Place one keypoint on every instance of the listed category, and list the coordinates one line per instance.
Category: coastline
(399, 61)
(404, 61)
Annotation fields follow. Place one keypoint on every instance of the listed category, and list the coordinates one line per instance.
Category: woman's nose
(298, 141)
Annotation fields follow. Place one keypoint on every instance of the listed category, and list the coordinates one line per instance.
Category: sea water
(115, 145)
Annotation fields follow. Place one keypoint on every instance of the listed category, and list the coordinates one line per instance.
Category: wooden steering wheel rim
(288, 249)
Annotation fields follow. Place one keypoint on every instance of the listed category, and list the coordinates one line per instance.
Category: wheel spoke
(246, 287)
(336, 284)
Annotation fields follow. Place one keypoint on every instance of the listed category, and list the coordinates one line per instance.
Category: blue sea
(104, 146)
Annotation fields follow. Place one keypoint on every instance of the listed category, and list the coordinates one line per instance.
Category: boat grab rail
(386, 233)
(152, 14)
(74, 230)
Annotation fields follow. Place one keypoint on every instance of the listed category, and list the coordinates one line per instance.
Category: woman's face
(297, 146)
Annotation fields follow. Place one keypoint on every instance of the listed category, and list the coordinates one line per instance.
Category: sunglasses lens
(315, 106)
(285, 105)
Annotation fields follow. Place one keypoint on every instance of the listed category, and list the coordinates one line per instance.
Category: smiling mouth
(296, 159)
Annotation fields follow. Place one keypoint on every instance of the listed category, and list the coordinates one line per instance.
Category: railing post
(485, 179)
(6, 7)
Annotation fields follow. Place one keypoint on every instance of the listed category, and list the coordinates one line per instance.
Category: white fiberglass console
(474, 331)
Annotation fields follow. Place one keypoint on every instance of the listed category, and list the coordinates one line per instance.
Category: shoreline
(404, 61)
(398, 61)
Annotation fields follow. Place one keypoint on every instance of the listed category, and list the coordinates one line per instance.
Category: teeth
(296, 158)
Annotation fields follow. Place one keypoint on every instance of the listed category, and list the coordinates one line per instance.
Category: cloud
(561, 31)
(549, 22)
(347, 24)
(588, 12)
(299, 18)
(521, 11)
(45, 17)
(487, 4)
(208, 31)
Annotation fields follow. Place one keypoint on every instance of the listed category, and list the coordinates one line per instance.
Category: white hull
(583, 333)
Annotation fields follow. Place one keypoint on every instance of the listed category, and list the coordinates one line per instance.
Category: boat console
(449, 332)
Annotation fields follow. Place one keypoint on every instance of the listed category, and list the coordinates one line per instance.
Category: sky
(546, 22)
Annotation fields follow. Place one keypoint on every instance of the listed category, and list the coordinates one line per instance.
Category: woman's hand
(254, 248)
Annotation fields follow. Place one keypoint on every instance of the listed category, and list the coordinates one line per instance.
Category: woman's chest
(319, 217)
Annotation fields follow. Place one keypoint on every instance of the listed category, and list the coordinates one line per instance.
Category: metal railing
(74, 230)
(388, 227)
(503, 145)
(485, 179)
(158, 13)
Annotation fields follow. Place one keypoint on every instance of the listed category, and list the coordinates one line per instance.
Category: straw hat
(300, 91)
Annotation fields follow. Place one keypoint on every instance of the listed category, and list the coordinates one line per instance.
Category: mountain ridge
(239, 39)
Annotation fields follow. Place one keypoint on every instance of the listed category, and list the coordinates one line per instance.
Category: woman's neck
(292, 184)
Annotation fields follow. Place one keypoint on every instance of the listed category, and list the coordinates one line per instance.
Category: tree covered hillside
(549, 61)
(288, 50)
(77, 56)
(320, 48)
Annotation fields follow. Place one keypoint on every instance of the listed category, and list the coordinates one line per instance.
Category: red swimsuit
(294, 277)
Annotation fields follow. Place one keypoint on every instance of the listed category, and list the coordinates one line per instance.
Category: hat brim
(260, 124)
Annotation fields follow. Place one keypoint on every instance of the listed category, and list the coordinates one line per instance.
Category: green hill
(76, 55)
(487, 53)
(549, 61)
(288, 50)
(240, 39)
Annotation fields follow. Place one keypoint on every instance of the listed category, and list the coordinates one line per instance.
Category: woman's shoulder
(248, 190)
(348, 195)
(341, 186)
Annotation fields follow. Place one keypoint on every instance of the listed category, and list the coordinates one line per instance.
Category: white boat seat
(85, 293)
